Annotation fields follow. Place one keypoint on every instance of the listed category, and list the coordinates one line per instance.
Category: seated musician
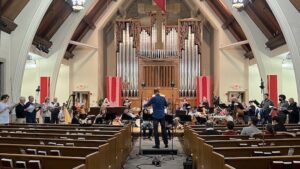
(194, 115)
(105, 103)
(210, 129)
(185, 104)
(127, 103)
(202, 115)
(204, 103)
(146, 125)
(101, 116)
(129, 113)
(75, 119)
(238, 110)
(230, 131)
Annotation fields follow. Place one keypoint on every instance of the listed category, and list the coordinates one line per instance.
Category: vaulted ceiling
(261, 14)
(86, 24)
(59, 10)
(57, 13)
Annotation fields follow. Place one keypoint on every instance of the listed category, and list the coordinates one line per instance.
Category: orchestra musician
(237, 109)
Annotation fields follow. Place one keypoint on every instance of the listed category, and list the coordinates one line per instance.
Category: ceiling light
(78, 5)
(238, 3)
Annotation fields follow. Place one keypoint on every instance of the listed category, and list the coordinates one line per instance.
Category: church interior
(125, 84)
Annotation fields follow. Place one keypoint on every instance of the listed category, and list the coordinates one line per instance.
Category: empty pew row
(112, 157)
(204, 151)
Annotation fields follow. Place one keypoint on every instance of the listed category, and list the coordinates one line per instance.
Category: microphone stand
(172, 111)
(140, 141)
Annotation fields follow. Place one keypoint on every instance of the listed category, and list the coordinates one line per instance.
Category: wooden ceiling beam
(89, 22)
(216, 10)
(276, 42)
(228, 22)
(68, 55)
(12, 8)
(257, 20)
(42, 44)
(7, 25)
(296, 4)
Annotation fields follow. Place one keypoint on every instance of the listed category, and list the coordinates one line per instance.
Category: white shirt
(196, 114)
(228, 118)
(46, 112)
(4, 116)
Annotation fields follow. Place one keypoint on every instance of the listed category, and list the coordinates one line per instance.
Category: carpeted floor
(137, 161)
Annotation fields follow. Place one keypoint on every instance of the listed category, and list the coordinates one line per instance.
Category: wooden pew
(52, 162)
(82, 166)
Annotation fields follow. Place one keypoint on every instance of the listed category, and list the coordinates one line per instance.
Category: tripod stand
(172, 111)
(141, 107)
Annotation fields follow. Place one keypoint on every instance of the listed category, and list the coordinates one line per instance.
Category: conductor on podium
(159, 104)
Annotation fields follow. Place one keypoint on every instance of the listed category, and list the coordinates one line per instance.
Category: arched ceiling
(59, 10)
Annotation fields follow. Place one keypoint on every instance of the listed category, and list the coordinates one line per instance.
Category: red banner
(161, 4)
(273, 88)
(114, 90)
(204, 89)
(44, 88)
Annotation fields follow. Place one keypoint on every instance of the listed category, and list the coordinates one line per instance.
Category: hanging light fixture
(238, 3)
(78, 5)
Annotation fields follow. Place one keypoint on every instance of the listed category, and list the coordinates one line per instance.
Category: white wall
(288, 83)
(289, 87)
(84, 71)
(254, 83)
(31, 80)
(62, 91)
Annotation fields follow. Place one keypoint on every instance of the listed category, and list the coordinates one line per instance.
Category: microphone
(143, 84)
(172, 84)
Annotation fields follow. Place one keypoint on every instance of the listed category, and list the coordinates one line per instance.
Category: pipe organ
(138, 58)
(190, 57)
(148, 38)
(127, 62)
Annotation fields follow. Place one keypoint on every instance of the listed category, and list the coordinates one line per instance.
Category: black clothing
(54, 113)
(294, 115)
(163, 129)
(279, 127)
(20, 113)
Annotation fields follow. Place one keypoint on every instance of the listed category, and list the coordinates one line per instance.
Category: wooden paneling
(158, 76)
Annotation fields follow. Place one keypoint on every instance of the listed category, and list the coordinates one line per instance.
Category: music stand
(180, 113)
(147, 117)
(141, 108)
(185, 118)
(110, 116)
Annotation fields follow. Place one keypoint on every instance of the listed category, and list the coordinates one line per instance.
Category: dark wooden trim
(42, 44)
(276, 42)
(89, 22)
(68, 55)
(7, 25)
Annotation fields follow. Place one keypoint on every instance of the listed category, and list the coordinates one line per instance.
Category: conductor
(158, 103)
